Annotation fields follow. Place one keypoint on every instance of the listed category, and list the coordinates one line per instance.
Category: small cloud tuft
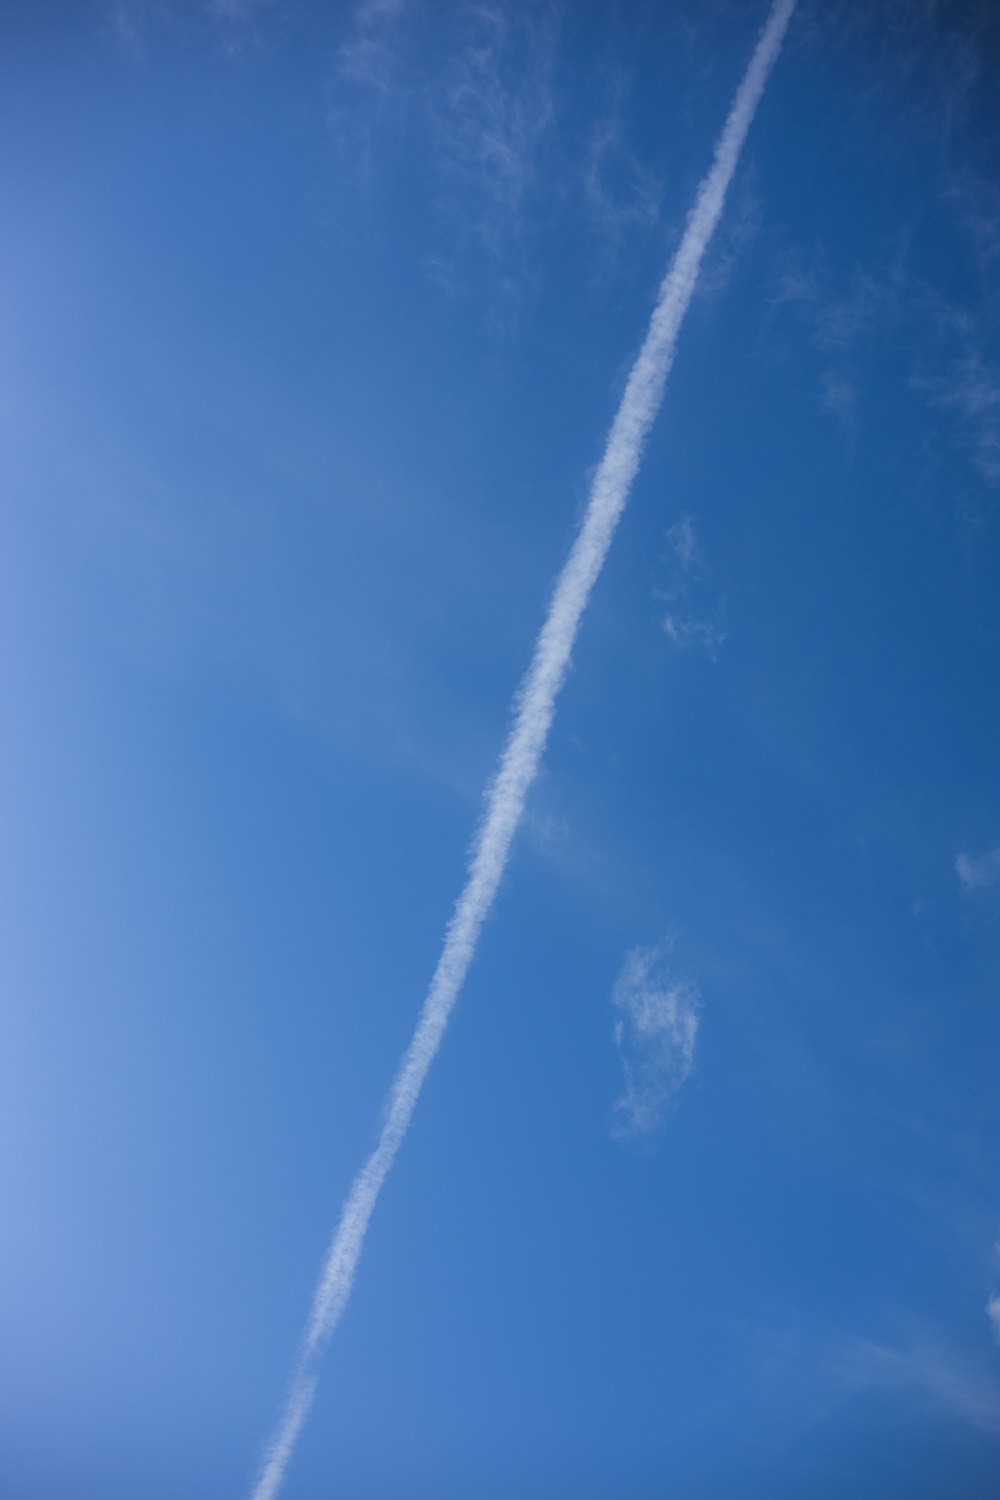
(683, 543)
(978, 872)
(655, 1033)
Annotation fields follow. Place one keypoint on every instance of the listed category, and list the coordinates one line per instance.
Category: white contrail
(533, 712)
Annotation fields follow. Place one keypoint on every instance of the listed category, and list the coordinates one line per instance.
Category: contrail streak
(533, 712)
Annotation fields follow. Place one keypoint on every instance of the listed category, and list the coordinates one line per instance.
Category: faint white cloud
(478, 85)
(500, 113)
(655, 1033)
(793, 287)
(993, 1313)
(135, 23)
(620, 194)
(812, 1369)
(943, 347)
(688, 624)
(124, 19)
(366, 84)
(683, 543)
(839, 315)
(684, 632)
(971, 389)
(366, 56)
(839, 398)
(946, 1379)
(549, 832)
(840, 321)
(976, 201)
(977, 872)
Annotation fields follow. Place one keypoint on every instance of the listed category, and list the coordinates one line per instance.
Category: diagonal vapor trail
(534, 708)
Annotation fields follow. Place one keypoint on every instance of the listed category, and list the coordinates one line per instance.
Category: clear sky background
(313, 318)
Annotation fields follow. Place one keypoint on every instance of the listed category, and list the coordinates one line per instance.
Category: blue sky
(313, 320)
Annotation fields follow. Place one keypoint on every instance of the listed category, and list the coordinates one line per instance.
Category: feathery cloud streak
(533, 713)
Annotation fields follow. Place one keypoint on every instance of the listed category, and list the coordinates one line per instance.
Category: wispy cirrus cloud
(620, 193)
(933, 60)
(504, 152)
(993, 1313)
(686, 623)
(365, 56)
(655, 1032)
(970, 389)
(975, 199)
(978, 872)
(944, 1378)
(478, 88)
(810, 1370)
(943, 345)
(136, 22)
(365, 86)
(839, 320)
(496, 126)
